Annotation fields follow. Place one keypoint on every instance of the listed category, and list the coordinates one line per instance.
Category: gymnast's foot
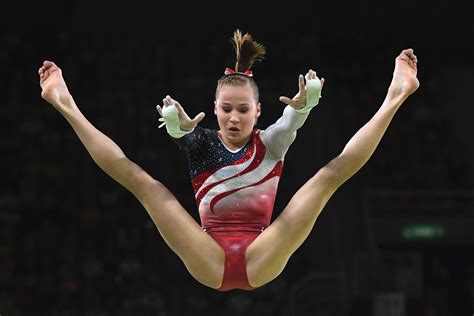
(404, 81)
(54, 89)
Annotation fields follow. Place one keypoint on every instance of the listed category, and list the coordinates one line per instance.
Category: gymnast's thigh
(266, 257)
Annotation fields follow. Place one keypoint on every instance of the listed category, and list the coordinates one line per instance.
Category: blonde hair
(248, 52)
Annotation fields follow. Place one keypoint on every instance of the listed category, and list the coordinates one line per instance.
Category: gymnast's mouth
(234, 129)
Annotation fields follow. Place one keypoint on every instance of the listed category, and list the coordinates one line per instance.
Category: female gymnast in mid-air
(235, 170)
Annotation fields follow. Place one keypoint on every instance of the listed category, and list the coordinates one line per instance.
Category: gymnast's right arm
(104, 151)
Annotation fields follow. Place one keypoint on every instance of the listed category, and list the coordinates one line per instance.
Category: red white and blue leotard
(235, 191)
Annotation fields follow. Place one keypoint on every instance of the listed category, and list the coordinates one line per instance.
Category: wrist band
(171, 121)
(313, 93)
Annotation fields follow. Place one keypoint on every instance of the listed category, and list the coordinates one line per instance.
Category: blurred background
(396, 239)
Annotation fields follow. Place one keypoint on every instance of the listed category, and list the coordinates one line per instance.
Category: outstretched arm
(105, 152)
(279, 136)
(363, 144)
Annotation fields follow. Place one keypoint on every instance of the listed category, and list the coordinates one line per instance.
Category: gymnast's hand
(299, 100)
(185, 122)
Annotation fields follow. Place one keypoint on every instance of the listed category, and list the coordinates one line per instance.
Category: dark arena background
(397, 239)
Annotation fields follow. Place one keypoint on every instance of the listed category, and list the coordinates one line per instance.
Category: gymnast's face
(237, 112)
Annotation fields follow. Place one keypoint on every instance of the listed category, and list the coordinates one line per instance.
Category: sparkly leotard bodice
(236, 190)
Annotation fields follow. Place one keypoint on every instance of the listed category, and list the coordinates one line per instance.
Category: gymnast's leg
(269, 253)
(203, 256)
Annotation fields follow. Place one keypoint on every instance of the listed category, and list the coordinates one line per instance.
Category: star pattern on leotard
(209, 153)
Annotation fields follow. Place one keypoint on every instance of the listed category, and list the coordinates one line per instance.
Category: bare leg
(269, 253)
(203, 257)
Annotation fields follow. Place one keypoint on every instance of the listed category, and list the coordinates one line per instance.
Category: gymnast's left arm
(280, 135)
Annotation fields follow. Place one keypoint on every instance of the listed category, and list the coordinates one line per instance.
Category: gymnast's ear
(215, 107)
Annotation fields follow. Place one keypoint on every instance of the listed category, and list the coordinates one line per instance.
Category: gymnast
(235, 170)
